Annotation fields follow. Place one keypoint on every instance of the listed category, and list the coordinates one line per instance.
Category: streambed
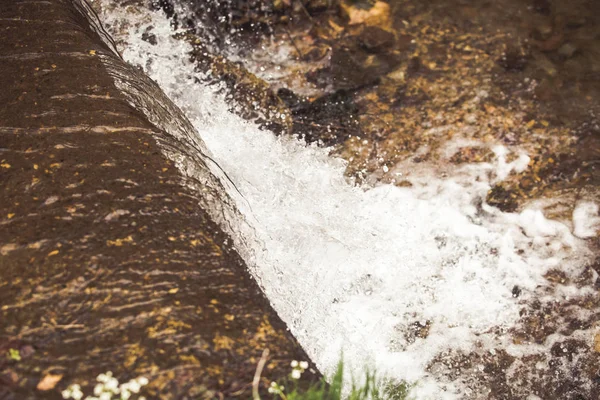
(442, 268)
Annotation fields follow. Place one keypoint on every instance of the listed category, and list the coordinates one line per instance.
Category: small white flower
(303, 364)
(102, 378)
(112, 385)
(66, 394)
(294, 364)
(98, 389)
(125, 394)
(142, 380)
(105, 396)
(296, 374)
(76, 392)
(275, 388)
(134, 386)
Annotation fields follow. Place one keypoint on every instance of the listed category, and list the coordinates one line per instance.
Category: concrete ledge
(107, 261)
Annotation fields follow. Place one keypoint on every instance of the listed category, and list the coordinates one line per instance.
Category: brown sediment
(107, 261)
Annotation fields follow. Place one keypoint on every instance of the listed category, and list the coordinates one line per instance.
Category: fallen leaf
(48, 382)
(597, 343)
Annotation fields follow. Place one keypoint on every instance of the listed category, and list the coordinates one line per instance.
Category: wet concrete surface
(107, 261)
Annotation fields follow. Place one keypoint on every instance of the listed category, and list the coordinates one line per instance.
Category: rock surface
(107, 259)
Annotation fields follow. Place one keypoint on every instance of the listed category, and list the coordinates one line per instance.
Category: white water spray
(354, 268)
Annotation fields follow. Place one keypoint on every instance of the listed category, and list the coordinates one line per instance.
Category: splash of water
(355, 268)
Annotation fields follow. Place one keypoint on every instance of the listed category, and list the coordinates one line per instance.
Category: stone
(356, 12)
(375, 40)
(567, 50)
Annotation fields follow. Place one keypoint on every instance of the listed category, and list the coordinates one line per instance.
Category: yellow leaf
(48, 382)
(222, 342)
(10, 215)
(92, 52)
(5, 165)
(119, 242)
(53, 253)
(173, 291)
(597, 343)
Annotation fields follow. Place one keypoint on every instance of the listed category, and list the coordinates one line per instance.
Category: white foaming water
(355, 268)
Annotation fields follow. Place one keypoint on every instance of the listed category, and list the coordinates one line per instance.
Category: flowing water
(363, 270)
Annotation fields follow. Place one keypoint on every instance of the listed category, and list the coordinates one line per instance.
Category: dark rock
(404, 42)
(543, 7)
(317, 6)
(149, 37)
(567, 50)
(516, 291)
(349, 68)
(376, 40)
(515, 58)
(329, 119)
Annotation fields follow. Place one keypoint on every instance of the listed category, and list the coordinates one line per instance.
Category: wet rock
(149, 37)
(250, 96)
(543, 7)
(543, 31)
(569, 348)
(472, 155)
(515, 58)
(516, 291)
(165, 5)
(351, 67)
(330, 119)
(546, 65)
(567, 50)
(417, 330)
(375, 40)
(502, 198)
(404, 42)
(552, 43)
(316, 6)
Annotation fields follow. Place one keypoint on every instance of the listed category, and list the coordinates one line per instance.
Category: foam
(351, 267)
